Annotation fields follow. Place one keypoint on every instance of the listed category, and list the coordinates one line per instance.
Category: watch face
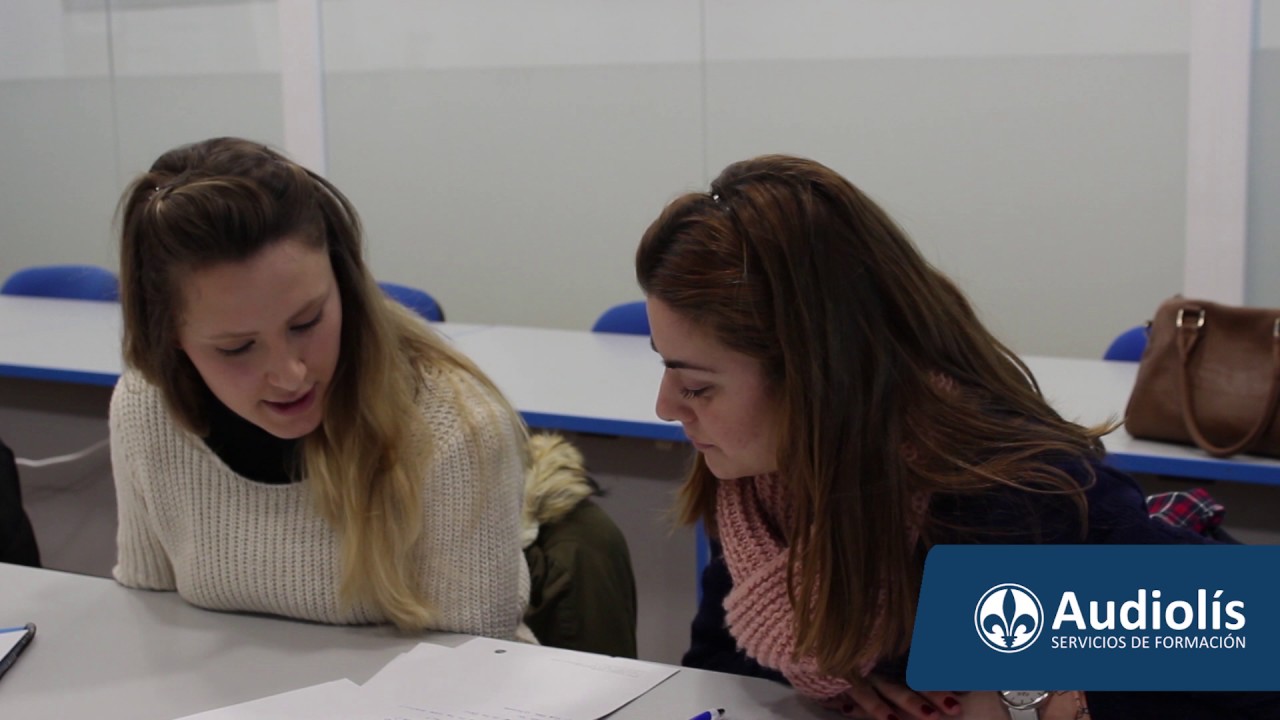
(1023, 699)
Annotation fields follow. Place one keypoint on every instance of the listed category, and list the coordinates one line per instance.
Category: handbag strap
(1188, 337)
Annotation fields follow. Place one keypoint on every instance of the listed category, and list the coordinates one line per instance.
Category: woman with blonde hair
(286, 439)
(850, 411)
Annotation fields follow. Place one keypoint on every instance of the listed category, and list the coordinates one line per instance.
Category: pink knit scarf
(751, 514)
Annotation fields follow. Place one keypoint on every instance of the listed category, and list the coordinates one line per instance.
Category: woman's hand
(989, 706)
(882, 699)
(1066, 706)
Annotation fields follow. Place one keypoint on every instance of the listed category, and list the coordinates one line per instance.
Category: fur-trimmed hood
(555, 483)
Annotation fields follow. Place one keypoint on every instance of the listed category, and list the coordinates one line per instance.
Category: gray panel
(1051, 188)
(1262, 286)
(57, 188)
(159, 113)
(61, 183)
(514, 195)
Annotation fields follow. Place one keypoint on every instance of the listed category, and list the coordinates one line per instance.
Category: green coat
(583, 594)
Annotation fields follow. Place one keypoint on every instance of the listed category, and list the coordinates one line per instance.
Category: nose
(670, 406)
(286, 369)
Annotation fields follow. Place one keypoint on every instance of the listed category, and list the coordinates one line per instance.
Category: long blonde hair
(224, 200)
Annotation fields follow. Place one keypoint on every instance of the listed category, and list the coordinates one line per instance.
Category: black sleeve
(17, 539)
(711, 646)
(1117, 514)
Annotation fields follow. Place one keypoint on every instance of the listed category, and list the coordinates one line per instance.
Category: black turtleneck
(248, 449)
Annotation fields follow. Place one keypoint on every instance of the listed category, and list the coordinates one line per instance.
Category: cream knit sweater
(191, 524)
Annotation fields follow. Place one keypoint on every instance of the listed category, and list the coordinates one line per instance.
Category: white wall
(507, 155)
(1035, 151)
(89, 98)
(1263, 267)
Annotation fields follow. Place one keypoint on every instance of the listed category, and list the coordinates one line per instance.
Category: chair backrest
(629, 318)
(416, 300)
(1128, 345)
(79, 282)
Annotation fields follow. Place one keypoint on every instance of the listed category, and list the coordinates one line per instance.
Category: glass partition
(91, 91)
(189, 71)
(58, 185)
(507, 156)
(1035, 150)
(1263, 251)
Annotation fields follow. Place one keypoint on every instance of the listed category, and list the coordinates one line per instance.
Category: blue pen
(709, 714)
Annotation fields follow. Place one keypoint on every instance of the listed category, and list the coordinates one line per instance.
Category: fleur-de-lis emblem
(1008, 618)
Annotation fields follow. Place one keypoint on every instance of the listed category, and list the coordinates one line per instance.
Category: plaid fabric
(1194, 509)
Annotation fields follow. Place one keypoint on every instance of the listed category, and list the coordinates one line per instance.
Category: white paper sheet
(499, 680)
(337, 700)
(482, 678)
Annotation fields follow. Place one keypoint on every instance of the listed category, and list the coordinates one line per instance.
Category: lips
(294, 404)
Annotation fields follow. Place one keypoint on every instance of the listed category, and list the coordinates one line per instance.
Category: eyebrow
(679, 364)
(312, 305)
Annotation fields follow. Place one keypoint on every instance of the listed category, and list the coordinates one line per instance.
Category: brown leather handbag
(1210, 375)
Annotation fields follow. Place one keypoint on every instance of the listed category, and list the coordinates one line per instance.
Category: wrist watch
(1024, 704)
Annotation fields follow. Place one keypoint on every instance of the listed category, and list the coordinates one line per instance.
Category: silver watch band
(1031, 713)
(1024, 704)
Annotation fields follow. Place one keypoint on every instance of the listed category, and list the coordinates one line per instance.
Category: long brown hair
(225, 200)
(888, 386)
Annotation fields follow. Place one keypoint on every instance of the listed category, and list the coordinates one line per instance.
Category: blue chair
(416, 300)
(78, 282)
(1128, 345)
(629, 318)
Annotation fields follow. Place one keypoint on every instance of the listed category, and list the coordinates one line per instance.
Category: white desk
(1092, 391)
(74, 341)
(590, 382)
(103, 651)
(580, 381)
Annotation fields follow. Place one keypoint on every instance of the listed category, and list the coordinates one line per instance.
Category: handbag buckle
(1200, 319)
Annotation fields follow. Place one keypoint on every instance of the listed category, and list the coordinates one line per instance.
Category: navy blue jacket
(1117, 515)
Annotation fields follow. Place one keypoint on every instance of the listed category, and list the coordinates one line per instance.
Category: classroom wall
(1263, 251)
(508, 155)
(88, 98)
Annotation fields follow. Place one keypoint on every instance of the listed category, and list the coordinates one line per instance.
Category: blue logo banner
(1098, 617)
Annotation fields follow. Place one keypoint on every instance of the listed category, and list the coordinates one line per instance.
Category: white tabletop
(103, 651)
(74, 341)
(591, 382)
(1094, 391)
(574, 380)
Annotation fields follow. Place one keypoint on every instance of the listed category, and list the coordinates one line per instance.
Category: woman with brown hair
(850, 411)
